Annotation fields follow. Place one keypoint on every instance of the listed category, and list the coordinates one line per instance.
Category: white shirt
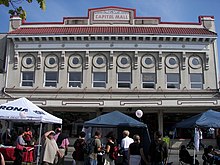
(125, 142)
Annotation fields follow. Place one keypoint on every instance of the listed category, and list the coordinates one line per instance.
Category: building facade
(114, 60)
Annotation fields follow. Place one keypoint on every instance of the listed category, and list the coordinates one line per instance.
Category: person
(20, 148)
(28, 136)
(211, 156)
(62, 143)
(96, 147)
(186, 157)
(109, 149)
(80, 146)
(136, 152)
(218, 139)
(200, 138)
(6, 138)
(49, 148)
(125, 143)
(2, 160)
(158, 151)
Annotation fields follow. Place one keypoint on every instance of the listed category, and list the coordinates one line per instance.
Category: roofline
(122, 8)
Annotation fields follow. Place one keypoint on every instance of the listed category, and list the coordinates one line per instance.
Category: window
(124, 80)
(173, 80)
(51, 79)
(27, 79)
(148, 80)
(196, 80)
(99, 79)
(75, 79)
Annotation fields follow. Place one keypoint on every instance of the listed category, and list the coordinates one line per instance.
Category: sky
(168, 10)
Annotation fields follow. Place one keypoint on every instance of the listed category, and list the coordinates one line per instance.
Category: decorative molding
(87, 60)
(207, 61)
(111, 60)
(39, 60)
(16, 59)
(184, 60)
(62, 62)
(160, 60)
(135, 59)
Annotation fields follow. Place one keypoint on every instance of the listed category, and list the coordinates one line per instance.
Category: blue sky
(168, 10)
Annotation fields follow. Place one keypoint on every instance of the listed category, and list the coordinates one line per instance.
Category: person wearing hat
(158, 151)
(136, 152)
(62, 143)
(49, 148)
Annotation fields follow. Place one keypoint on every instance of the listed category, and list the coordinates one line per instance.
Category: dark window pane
(124, 76)
(28, 76)
(75, 84)
(52, 61)
(51, 76)
(100, 61)
(99, 84)
(51, 84)
(25, 84)
(75, 76)
(196, 77)
(170, 85)
(28, 61)
(148, 85)
(196, 86)
(99, 76)
(148, 77)
(124, 85)
(124, 61)
(173, 77)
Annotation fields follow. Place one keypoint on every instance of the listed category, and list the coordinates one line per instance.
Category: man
(158, 151)
(7, 138)
(49, 148)
(125, 143)
(62, 143)
(96, 147)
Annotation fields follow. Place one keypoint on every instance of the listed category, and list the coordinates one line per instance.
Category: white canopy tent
(23, 110)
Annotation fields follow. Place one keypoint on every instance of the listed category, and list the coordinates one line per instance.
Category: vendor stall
(23, 110)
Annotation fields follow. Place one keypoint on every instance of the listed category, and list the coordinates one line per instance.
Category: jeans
(93, 162)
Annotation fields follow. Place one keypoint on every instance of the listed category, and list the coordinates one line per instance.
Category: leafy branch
(17, 9)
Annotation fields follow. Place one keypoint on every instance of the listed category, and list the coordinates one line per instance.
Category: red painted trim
(42, 23)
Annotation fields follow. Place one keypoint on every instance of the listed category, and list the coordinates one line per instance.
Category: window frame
(124, 82)
(99, 81)
(75, 81)
(27, 81)
(51, 81)
(173, 82)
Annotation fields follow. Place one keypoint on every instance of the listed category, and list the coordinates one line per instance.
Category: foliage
(18, 10)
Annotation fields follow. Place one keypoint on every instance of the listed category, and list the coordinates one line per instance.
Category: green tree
(17, 9)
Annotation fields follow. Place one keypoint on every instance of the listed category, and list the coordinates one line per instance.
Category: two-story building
(114, 60)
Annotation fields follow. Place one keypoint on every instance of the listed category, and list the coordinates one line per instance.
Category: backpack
(159, 151)
(114, 153)
(90, 147)
(80, 149)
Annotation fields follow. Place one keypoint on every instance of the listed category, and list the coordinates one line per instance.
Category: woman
(20, 148)
(2, 160)
(135, 152)
(109, 160)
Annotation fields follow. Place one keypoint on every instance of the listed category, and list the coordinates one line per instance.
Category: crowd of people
(130, 151)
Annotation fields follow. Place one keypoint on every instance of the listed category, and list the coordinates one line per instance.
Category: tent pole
(39, 144)
(194, 148)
